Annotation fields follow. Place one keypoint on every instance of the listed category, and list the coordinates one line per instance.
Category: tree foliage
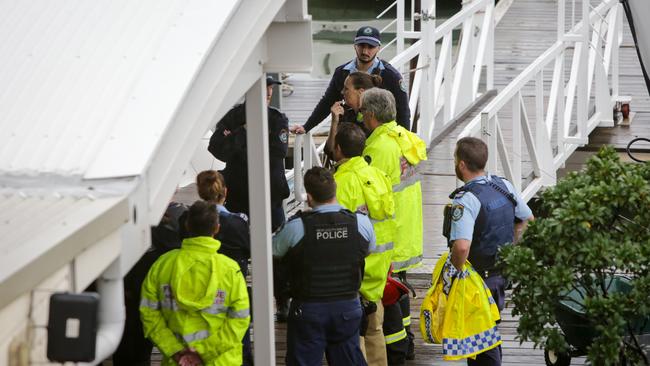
(592, 225)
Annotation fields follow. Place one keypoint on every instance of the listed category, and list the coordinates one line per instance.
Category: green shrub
(592, 225)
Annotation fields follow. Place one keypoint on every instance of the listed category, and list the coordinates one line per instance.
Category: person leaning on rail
(324, 250)
(486, 213)
(362, 188)
(194, 304)
(367, 43)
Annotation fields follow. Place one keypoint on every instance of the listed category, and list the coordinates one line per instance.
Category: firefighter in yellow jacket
(360, 187)
(194, 304)
(397, 152)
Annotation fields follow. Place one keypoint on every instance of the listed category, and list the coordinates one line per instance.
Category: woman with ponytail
(348, 109)
(234, 233)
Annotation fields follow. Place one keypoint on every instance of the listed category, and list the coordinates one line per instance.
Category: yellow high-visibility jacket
(463, 321)
(195, 297)
(397, 152)
(360, 187)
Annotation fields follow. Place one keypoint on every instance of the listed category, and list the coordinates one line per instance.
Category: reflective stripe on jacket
(396, 151)
(360, 187)
(195, 297)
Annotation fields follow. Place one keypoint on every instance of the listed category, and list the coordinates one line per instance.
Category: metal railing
(443, 86)
(566, 110)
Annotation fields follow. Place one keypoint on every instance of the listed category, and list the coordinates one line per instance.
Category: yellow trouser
(373, 344)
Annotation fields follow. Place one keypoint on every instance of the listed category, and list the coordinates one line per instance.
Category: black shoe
(282, 314)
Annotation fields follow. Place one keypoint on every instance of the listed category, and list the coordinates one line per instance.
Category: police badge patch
(402, 85)
(284, 136)
(457, 212)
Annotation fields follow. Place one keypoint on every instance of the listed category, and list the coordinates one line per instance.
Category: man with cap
(367, 43)
(228, 144)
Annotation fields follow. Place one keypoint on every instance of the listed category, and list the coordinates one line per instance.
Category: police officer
(366, 45)
(486, 213)
(228, 144)
(325, 250)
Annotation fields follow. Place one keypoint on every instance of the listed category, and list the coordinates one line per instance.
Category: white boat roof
(90, 86)
(103, 102)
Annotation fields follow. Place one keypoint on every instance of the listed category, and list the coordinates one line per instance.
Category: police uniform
(228, 144)
(325, 250)
(234, 236)
(392, 81)
(484, 211)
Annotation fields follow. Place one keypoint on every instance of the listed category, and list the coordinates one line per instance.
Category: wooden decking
(526, 31)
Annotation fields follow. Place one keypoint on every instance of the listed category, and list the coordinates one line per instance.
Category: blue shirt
(293, 231)
(376, 63)
(466, 207)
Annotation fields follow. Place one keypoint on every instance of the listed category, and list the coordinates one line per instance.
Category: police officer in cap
(325, 250)
(367, 43)
(228, 144)
(486, 214)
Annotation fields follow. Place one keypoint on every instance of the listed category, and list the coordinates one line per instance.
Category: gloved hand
(449, 273)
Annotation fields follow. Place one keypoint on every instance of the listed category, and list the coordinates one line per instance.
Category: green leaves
(593, 225)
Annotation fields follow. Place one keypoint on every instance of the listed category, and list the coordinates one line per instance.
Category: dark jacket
(392, 81)
(231, 149)
(234, 236)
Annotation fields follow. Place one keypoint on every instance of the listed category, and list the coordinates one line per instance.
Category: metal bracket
(424, 16)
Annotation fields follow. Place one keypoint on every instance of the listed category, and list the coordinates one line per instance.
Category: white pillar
(260, 220)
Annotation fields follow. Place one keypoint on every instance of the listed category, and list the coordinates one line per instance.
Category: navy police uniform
(228, 144)
(392, 81)
(484, 211)
(234, 235)
(325, 250)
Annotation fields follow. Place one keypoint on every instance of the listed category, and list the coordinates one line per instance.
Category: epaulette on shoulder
(458, 192)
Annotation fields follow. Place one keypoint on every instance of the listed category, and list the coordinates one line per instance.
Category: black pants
(397, 320)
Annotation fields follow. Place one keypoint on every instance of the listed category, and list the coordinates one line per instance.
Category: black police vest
(328, 263)
(495, 224)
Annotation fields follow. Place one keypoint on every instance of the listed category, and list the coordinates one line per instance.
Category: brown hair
(211, 186)
(351, 139)
(202, 218)
(320, 184)
(362, 80)
(473, 151)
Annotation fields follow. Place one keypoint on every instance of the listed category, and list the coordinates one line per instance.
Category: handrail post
(400, 27)
(426, 124)
(298, 187)
(489, 136)
(583, 76)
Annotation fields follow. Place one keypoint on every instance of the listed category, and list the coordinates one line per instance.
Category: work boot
(410, 354)
(282, 313)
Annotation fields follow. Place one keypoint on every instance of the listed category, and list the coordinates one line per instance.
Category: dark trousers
(395, 316)
(497, 286)
(330, 328)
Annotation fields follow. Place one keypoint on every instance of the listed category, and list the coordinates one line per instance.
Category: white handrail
(590, 64)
